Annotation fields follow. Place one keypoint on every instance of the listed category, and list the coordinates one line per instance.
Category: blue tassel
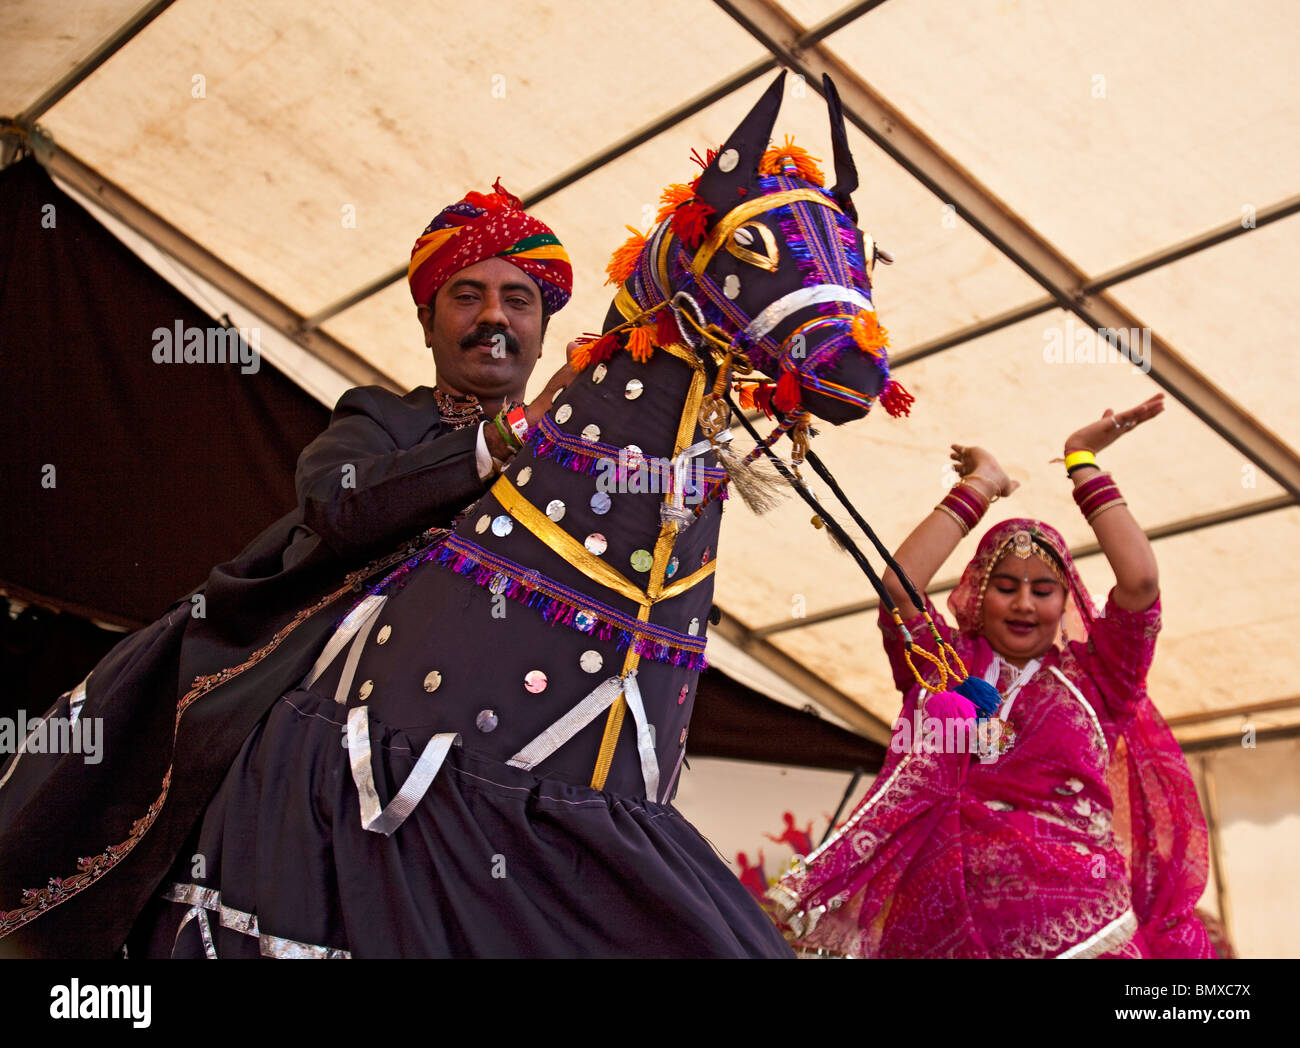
(982, 693)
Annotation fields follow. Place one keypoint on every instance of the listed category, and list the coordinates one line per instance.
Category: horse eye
(754, 243)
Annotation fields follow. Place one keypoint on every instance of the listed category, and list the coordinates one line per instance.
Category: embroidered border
(37, 901)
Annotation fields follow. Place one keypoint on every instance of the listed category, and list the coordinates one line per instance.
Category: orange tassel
(787, 396)
(798, 156)
(745, 394)
(673, 197)
(896, 400)
(622, 264)
(641, 343)
(868, 334)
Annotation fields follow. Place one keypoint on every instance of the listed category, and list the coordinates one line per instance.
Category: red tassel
(787, 396)
(691, 221)
(896, 400)
(763, 399)
(705, 160)
(594, 350)
(604, 348)
(666, 331)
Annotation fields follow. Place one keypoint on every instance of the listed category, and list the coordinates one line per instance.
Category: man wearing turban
(486, 278)
(177, 698)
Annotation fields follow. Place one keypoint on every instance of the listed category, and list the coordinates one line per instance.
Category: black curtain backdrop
(161, 471)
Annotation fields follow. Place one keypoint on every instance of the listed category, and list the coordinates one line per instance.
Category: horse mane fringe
(757, 483)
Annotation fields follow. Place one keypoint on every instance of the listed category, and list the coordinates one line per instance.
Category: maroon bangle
(1092, 496)
(968, 500)
(1092, 484)
(964, 506)
(1099, 499)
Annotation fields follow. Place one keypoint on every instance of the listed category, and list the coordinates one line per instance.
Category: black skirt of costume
(490, 860)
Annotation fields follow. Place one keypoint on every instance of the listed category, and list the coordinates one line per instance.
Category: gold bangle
(944, 509)
(990, 499)
(1102, 509)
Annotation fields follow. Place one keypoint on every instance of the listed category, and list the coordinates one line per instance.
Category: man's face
(485, 330)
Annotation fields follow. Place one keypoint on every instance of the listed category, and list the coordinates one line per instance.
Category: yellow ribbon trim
(682, 585)
(739, 215)
(564, 544)
(655, 588)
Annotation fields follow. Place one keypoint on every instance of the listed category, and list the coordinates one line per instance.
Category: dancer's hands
(978, 464)
(1110, 427)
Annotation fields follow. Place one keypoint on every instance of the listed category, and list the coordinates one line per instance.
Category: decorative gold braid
(654, 588)
(742, 213)
(563, 544)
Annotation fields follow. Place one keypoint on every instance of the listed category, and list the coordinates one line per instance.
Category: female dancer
(1074, 829)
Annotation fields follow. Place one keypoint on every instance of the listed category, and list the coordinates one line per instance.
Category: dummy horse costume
(481, 760)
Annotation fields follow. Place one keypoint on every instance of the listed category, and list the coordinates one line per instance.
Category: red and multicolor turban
(489, 225)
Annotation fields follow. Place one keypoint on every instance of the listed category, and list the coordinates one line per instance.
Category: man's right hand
(561, 379)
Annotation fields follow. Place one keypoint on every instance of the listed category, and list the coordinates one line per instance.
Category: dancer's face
(1023, 605)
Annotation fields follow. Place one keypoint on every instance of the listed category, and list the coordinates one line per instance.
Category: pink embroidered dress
(1082, 837)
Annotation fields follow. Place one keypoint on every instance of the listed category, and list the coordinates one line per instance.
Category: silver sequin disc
(598, 375)
(591, 661)
(642, 559)
(366, 688)
(523, 476)
(591, 433)
(384, 633)
(502, 526)
(584, 620)
(634, 388)
(535, 681)
(498, 584)
(433, 681)
(596, 543)
(728, 159)
(671, 570)
(555, 509)
(600, 503)
(634, 455)
(484, 522)
(486, 721)
(563, 413)
(694, 628)
(731, 286)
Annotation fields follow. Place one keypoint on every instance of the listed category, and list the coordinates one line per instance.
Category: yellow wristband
(1079, 458)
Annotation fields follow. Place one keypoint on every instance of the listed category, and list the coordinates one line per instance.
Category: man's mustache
(485, 333)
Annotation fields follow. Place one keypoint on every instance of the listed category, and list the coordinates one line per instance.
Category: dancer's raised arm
(1120, 536)
(933, 540)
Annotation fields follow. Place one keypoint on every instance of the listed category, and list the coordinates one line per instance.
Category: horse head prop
(577, 590)
(765, 268)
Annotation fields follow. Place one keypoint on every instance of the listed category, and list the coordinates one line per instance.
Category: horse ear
(846, 172)
(736, 164)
